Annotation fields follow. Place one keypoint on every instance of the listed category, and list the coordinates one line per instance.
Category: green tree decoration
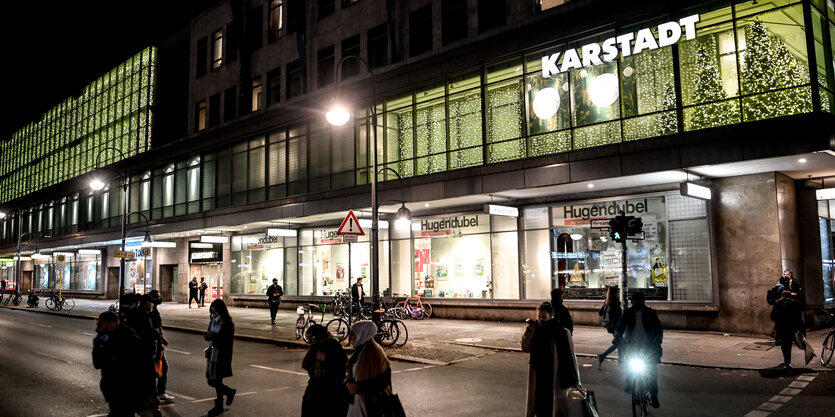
(668, 123)
(708, 88)
(770, 65)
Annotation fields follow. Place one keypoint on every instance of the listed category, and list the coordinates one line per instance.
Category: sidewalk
(444, 341)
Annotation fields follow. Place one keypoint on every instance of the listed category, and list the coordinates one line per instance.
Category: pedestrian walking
(560, 311)
(610, 314)
(552, 369)
(325, 365)
(274, 293)
(786, 315)
(2, 288)
(776, 293)
(639, 332)
(221, 335)
(357, 295)
(368, 374)
(152, 300)
(203, 287)
(192, 292)
(126, 382)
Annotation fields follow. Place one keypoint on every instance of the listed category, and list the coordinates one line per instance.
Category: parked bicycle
(828, 343)
(413, 308)
(13, 299)
(58, 302)
(306, 319)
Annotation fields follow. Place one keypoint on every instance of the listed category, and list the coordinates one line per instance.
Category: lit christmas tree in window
(708, 88)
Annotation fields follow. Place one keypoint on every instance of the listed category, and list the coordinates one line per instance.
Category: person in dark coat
(202, 289)
(126, 381)
(274, 293)
(639, 330)
(221, 335)
(192, 292)
(325, 365)
(553, 366)
(786, 316)
(357, 295)
(610, 314)
(151, 301)
(561, 313)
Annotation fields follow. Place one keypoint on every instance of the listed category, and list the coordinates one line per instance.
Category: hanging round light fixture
(603, 90)
(546, 103)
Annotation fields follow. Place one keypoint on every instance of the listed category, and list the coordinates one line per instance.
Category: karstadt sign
(669, 33)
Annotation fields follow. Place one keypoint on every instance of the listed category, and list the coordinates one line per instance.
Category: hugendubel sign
(590, 54)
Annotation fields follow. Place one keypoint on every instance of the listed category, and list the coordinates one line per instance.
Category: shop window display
(260, 259)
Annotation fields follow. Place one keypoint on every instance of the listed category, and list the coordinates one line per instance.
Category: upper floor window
(549, 4)
(454, 20)
(378, 46)
(325, 67)
(296, 13)
(232, 41)
(214, 110)
(350, 46)
(256, 93)
(276, 19)
(294, 79)
(326, 8)
(346, 3)
(255, 28)
(491, 13)
(273, 86)
(420, 30)
(200, 116)
(217, 49)
(202, 56)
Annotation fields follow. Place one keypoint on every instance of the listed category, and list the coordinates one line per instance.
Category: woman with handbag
(368, 376)
(221, 334)
(325, 364)
(610, 314)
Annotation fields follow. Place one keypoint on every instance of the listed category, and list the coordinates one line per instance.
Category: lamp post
(96, 184)
(338, 116)
(19, 235)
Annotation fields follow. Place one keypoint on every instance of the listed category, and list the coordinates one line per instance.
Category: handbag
(208, 352)
(582, 403)
(384, 405)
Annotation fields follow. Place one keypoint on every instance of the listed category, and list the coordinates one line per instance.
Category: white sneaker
(165, 398)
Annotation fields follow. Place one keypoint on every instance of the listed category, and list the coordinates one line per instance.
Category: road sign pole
(623, 283)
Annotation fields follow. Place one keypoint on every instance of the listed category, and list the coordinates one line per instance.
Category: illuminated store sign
(445, 226)
(650, 208)
(593, 53)
(205, 252)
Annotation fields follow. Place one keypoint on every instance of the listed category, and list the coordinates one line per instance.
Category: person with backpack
(610, 313)
(202, 289)
(274, 293)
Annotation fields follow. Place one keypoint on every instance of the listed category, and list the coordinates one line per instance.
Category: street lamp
(97, 185)
(338, 116)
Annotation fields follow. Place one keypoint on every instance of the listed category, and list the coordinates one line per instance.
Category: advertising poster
(659, 270)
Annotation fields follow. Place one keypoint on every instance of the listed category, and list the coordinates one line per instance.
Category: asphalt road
(46, 370)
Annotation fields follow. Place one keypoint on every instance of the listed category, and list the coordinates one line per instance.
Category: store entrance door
(212, 272)
(166, 281)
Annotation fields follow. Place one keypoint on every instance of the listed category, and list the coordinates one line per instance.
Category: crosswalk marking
(279, 370)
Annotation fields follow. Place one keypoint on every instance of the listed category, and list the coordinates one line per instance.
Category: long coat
(221, 359)
(654, 333)
(553, 367)
(325, 395)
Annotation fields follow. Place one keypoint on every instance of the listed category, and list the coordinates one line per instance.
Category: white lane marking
(279, 370)
(177, 351)
(42, 325)
(204, 400)
(52, 357)
(86, 334)
(780, 399)
(177, 395)
(799, 384)
(97, 415)
(770, 406)
(413, 369)
(757, 413)
(807, 378)
(246, 393)
(276, 389)
(790, 391)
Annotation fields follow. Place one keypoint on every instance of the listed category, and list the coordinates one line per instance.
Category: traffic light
(634, 226)
(617, 228)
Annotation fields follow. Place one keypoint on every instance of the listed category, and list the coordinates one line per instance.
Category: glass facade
(113, 111)
(826, 221)
(76, 272)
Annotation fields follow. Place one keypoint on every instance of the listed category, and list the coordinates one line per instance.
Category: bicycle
(413, 308)
(306, 319)
(57, 302)
(828, 343)
(641, 398)
(13, 299)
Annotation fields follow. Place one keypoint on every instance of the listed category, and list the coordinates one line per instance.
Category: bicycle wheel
(404, 333)
(50, 303)
(69, 303)
(7, 301)
(300, 325)
(427, 310)
(338, 328)
(419, 313)
(828, 347)
(387, 334)
(17, 300)
(639, 398)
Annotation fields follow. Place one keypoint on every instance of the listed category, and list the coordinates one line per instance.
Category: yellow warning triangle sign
(350, 226)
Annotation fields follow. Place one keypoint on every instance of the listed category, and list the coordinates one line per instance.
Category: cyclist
(640, 330)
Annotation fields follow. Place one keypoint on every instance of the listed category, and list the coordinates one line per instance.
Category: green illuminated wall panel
(113, 111)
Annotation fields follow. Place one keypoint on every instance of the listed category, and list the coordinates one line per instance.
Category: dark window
(378, 46)
(200, 116)
(295, 11)
(214, 110)
(325, 67)
(255, 29)
(326, 8)
(491, 13)
(274, 86)
(294, 79)
(454, 23)
(420, 30)
(229, 101)
(350, 46)
(346, 3)
(276, 19)
(231, 42)
(202, 63)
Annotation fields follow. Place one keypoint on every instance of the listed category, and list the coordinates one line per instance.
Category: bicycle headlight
(637, 366)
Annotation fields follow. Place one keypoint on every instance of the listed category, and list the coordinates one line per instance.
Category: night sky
(52, 49)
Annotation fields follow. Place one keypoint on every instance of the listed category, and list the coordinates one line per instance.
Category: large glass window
(259, 260)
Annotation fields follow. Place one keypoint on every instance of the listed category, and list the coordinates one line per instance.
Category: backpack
(605, 316)
(774, 294)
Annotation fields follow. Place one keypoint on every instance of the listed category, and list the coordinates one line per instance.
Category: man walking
(274, 293)
(152, 300)
(192, 292)
(203, 287)
(786, 316)
(126, 379)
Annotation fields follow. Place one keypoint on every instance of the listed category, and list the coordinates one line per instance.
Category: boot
(230, 395)
(218, 409)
